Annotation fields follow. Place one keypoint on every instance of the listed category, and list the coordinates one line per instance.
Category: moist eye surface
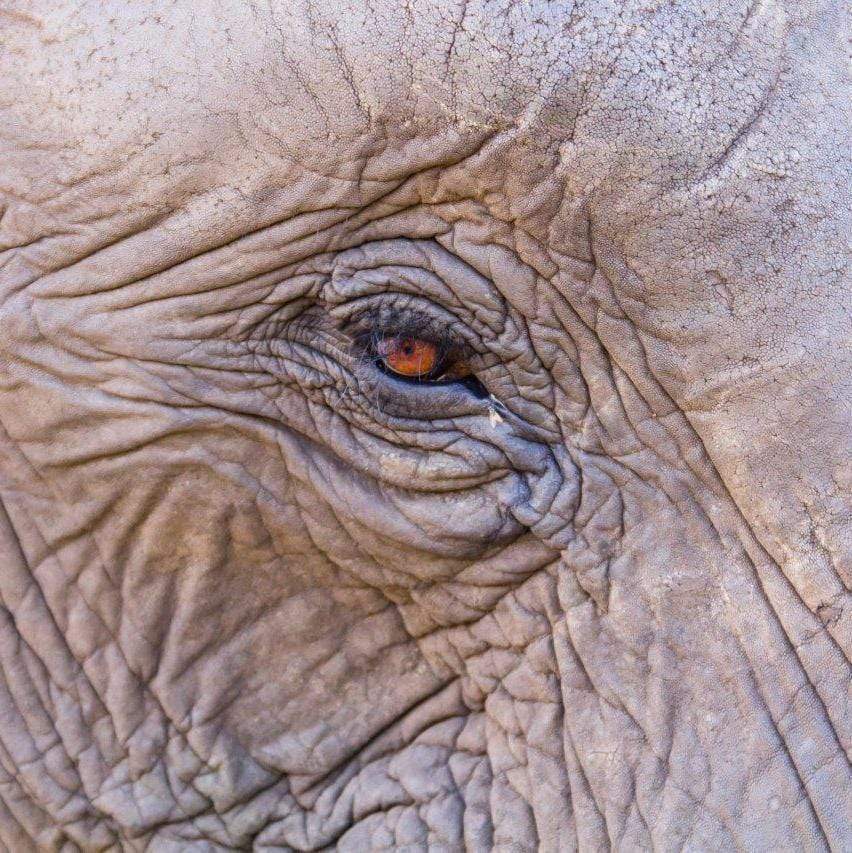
(419, 359)
(409, 356)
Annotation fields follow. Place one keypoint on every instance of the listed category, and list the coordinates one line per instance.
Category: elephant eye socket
(419, 359)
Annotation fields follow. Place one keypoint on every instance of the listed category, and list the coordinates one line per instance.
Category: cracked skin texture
(257, 594)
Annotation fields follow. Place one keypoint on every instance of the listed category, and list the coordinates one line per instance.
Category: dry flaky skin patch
(257, 594)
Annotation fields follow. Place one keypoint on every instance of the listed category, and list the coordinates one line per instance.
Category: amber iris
(408, 356)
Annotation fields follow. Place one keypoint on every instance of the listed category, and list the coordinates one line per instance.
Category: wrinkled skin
(256, 592)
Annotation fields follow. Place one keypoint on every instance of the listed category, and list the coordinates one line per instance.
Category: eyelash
(370, 328)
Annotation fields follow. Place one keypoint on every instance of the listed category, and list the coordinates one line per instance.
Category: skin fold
(256, 593)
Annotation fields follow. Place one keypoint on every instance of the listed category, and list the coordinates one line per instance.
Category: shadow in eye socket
(474, 386)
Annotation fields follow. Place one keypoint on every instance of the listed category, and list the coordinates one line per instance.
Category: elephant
(425, 425)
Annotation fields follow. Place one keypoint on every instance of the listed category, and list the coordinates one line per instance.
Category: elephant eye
(411, 357)
(410, 340)
(419, 359)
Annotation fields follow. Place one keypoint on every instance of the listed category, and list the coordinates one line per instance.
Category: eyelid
(372, 322)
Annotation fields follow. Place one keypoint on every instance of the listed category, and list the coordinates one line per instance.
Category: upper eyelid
(412, 320)
(419, 267)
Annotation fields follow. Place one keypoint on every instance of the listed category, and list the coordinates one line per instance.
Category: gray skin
(256, 593)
